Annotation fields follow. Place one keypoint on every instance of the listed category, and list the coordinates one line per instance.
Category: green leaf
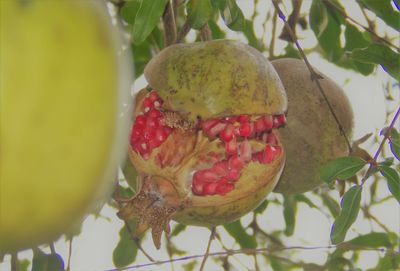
(391, 261)
(384, 10)
(350, 206)
(394, 141)
(129, 11)
(217, 33)
(146, 19)
(46, 262)
(379, 54)
(178, 229)
(199, 12)
(261, 208)
(126, 251)
(318, 17)
(373, 239)
(328, 36)
(236, 230)
(355, 39)
(393, 180)
(341, 168)
(231, 14)
(23, 264)
(289, 214)
(304, 199)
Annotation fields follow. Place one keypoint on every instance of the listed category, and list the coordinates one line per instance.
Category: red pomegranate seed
(152, 123)
(279, 120)
(224, 188)
(231, 147)
(221, 168)
(154, 113)
(235, 162)
(206, 175)
(210, 188)
(197, 187)
(259, 125)
(268, 122)
(227, 134)
(245, 129)
(233, 175)
(243, 118)
(231, 119)
(208, 124)
(147, 102)
(153, 96)
(140, 120)
(245, 151)
(268, 154)
(161, 135)
(271, 139)
(216, 129)
(257, 156)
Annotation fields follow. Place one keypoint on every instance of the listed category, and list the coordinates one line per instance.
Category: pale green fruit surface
(216, 78)
(59, 88)
(311, 136)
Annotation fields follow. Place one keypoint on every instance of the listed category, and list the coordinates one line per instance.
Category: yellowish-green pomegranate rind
(58, 112)
(311, 136)
(211, 211)
(216, 78)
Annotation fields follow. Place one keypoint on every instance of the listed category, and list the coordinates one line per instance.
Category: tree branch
(212, 235)
(169, 24)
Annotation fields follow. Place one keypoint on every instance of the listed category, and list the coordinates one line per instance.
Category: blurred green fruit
(62, 84)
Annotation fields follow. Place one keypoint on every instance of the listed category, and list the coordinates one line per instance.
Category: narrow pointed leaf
(373, 239)
(289, 214)
(146, 19)
(393, 180)
(341, 168)
(232, 14)
(350, 207)
(236, 230)
(129, 11)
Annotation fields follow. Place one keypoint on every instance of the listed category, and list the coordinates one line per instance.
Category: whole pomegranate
(311, 136)
(205, 140)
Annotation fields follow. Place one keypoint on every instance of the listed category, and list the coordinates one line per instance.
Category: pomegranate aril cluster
(235, 132)
(149, 131)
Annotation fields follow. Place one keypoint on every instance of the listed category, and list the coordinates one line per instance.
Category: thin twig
(183, 32)
(273, 35)
(205, 32)
(14, 261)
(69, 254)
(52, 248)
(314, 76)
(169, 24)
(245, 251)
(212, 235)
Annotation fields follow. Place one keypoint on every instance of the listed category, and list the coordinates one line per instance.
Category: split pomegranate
(202, 160)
